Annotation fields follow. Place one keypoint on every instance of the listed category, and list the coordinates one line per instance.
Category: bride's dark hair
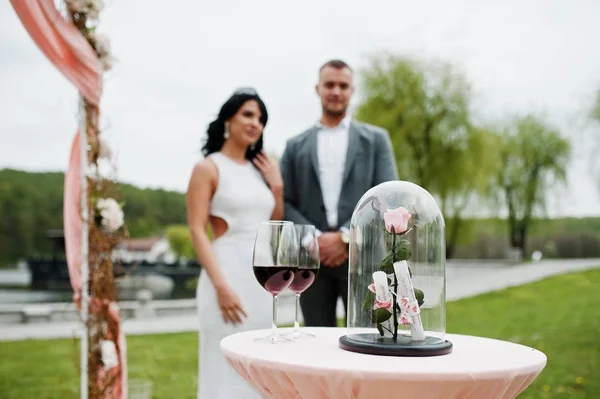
(216, 129)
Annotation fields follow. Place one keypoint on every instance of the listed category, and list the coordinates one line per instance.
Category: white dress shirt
(332, 145)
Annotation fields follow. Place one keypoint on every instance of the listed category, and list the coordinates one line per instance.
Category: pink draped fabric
(64, 46)
(71, 54)
(72, 216)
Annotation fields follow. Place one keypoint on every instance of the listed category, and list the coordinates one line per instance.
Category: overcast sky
(179, 60)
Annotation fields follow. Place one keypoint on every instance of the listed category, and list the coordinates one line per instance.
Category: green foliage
(402, 251)
(180, 241)
(556, 238)
(368, 301)
(533, 156)
(380, 315)
(148, 211)
(425, 108)
(594, 149)
(595, 111)
(31, 204)
(420, 296)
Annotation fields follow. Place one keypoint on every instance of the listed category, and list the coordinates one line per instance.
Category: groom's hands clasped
(334, 252)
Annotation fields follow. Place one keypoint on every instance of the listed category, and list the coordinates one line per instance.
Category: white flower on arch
(111, 213)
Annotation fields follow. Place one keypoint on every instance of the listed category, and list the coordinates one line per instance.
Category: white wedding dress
(243, 200)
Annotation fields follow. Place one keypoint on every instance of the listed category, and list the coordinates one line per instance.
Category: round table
(477, 368)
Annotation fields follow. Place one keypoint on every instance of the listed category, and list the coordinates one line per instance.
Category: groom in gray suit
(326, 170)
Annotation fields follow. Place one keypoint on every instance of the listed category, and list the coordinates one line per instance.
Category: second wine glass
(309, 262)
(275, 259)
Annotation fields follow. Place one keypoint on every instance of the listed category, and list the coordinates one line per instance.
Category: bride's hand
(230, 305)
(270, 171)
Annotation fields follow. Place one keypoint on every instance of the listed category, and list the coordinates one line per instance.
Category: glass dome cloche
(397, 274)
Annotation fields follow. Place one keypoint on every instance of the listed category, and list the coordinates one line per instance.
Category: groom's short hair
(337, 64)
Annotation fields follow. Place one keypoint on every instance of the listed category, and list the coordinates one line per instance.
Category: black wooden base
(374, 344)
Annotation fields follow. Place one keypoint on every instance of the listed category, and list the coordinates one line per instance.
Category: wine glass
(309, 262)
(274, 261)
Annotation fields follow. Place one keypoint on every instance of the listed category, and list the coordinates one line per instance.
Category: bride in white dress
(234, 188)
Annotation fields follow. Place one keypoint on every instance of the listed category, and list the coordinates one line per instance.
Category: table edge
(534, 368)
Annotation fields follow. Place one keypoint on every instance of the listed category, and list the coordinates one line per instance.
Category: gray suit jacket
(369, 162)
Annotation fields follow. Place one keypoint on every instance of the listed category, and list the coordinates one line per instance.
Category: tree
(31, 204)
(595, 148)
(595, 112)
(468, 181)
(534, 155)
(180, 241)
(425, 108)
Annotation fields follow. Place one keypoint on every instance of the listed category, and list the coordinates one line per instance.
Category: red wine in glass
(308, 268)
(303, 278)
(274, 279)
(274, 261)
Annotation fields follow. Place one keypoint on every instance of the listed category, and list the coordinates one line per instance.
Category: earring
(226, 134)
(252, 147)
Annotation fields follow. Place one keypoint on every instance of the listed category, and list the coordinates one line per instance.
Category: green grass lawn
(559, 316)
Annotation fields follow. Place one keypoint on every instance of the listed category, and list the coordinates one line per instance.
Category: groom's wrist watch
(345, 235)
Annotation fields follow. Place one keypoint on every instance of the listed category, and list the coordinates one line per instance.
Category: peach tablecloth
(478, 368)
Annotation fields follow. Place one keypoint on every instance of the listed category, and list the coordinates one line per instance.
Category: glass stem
(296, 324)
(274, 325)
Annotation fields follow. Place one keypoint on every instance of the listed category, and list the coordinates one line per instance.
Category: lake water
(14, 288)
(28, 296)
(18, 281)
